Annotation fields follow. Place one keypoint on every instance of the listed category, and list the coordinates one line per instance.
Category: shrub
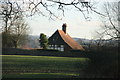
(104, 63)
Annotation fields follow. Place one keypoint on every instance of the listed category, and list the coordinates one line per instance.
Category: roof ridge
(72, 43)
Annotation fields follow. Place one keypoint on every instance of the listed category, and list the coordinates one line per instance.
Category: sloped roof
(67, 39)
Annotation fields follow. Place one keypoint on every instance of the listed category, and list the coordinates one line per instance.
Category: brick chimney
(64, 28)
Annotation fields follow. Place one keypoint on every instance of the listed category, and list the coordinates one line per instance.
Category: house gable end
(56, 39)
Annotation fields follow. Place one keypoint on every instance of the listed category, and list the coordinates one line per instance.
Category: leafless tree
(9, 13)
(110, 28)
(48, 7)
(111, 21)
(19, 32)
(14, 27)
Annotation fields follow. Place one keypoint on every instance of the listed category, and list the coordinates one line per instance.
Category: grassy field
(20, 66)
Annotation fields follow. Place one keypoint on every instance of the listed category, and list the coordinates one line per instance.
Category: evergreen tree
(43, 41)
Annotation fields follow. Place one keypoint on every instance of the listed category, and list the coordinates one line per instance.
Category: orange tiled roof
(73, 44)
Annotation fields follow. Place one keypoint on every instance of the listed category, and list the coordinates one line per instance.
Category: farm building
(61, 40)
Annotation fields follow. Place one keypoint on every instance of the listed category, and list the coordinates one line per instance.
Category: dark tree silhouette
(39, 6)
(43, 41)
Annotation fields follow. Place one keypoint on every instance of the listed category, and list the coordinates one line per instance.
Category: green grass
(41, 75)
(41, 66)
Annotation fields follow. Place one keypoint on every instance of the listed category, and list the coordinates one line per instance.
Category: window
(62, 47)
(52, 47)
(57, 47)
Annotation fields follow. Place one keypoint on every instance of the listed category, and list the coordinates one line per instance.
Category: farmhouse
(61, 40)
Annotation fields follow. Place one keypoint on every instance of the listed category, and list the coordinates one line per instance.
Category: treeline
(14, 27)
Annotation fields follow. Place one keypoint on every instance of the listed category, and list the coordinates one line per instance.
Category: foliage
(43, 41)
(42, 52)
(6, 40)
(11, 40)
(104, 63)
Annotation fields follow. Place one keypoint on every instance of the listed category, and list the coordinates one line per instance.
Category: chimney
(64, 28)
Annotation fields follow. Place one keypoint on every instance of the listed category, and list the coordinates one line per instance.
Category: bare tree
(9, 13)
(19, 33)
(111, 20)
(14, 27)
(110, 28)
(48, 7)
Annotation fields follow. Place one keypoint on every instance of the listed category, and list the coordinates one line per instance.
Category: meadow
(25, 66)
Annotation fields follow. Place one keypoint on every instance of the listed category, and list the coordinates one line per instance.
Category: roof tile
(73, 44)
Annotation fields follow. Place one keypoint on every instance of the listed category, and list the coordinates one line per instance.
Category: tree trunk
(15, 44)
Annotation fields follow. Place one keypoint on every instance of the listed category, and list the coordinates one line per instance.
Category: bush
(104, 63)
(41, 52)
